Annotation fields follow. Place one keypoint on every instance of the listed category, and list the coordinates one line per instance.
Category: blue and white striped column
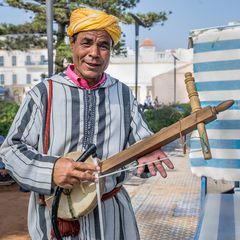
(216, 64)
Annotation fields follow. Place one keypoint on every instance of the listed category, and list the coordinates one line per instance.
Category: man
(88, 106)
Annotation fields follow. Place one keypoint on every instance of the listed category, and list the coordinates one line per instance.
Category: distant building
(151, 65)
(18, 67)
(163, 85)
(20, 71)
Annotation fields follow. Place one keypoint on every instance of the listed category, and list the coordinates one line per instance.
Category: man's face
(91, 54)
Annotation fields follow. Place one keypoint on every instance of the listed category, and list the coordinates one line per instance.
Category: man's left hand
(155, 166)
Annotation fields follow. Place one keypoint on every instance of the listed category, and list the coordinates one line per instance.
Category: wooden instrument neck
(159, 139)
(197, 119)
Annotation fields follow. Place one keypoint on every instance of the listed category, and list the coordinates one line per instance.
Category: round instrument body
(80, 200)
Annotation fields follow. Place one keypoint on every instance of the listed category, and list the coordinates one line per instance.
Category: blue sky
(186, 15)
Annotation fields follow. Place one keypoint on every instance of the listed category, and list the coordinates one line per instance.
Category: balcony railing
(30, 63)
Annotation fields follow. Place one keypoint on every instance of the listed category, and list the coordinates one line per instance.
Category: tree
(166, 115)
(8, 110)
(33, 34)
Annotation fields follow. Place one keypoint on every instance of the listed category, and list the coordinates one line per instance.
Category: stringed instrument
(82, 199)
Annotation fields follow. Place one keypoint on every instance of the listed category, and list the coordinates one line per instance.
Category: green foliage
(166, 116)
(8, 111)
(120, 48)
(33, 34)
(23, 42)
(64, 52)
(184, 108)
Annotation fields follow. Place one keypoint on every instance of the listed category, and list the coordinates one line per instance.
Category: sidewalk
(167, 208)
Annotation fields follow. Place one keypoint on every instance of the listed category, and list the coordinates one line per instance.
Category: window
(29, 78)
(2, 79)
(42, 60)
(28, 60)
(14, 79)
(1, 61)
(14, 60)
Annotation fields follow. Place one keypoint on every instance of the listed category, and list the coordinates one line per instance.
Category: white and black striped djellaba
(107, 116)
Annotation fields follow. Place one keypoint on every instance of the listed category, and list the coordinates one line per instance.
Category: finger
(74, 181)
(161, 154)
(168, 163)
(85, 176)
(158, 154)
(161, 169)
(86, 166)
(151, 169)
(67, 186)
(140, 170)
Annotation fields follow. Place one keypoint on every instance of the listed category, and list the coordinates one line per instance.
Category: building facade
(151, 65)
(19, 70)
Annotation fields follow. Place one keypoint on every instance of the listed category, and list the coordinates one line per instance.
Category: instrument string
(99, 202)
(131, 168)
(144, 164)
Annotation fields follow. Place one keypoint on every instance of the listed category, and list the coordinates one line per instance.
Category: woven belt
(110, 194)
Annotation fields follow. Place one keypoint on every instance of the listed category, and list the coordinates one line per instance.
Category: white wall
(21, 69)
(123, 68)
(163, 85)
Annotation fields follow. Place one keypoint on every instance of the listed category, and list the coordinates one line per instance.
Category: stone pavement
(167, 208)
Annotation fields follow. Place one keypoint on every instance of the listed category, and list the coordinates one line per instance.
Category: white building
(151, 64)
(18, 67)
(19, 71)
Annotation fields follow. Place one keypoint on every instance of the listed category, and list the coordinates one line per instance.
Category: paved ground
(13, 213)
(167, 208)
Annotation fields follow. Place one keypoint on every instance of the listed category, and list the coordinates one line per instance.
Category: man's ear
(71, 41)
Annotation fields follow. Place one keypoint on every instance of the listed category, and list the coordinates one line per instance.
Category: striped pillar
(216, 64)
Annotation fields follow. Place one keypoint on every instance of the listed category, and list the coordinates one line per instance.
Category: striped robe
(107, 116)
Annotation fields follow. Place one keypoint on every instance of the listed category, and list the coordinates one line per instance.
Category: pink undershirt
(80, 82)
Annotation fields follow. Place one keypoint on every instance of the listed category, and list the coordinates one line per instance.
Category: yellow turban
(85, 19)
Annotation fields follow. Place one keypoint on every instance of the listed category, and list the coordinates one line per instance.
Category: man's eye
(85, 43)
(105, 46)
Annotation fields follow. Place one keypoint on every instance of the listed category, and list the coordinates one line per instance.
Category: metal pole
(49, 5)
(137, 23)
(175, 79)
(136, 57)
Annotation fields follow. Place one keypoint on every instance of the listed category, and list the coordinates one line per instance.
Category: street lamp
(175, 77)
(138, 22)
(49, 6)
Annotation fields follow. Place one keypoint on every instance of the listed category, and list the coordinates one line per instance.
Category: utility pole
(174, 78)
(138, 22)
(49, 6)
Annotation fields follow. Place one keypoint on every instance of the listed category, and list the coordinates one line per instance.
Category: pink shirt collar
(80, 82)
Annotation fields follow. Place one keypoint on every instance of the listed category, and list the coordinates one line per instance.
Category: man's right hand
(67, 172)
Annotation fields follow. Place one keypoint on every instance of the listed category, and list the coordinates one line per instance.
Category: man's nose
(94, 51)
